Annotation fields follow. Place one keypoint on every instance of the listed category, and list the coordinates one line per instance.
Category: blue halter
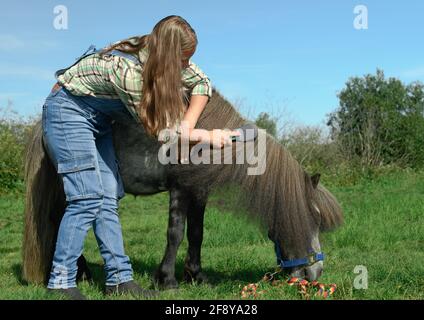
(312, 258)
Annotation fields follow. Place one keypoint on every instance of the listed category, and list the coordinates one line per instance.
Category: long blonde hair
(162, 103)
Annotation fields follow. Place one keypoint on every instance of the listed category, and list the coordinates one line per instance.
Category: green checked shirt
(116, 77)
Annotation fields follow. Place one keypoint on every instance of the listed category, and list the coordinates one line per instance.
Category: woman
(143, 78)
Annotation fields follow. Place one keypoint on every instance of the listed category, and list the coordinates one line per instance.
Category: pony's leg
(195, 218)
(178, 204)
(83, 273)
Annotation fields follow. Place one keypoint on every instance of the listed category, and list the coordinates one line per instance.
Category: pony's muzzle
(310, 273)
(313, 272)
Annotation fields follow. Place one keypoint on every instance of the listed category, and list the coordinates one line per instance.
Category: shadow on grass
(17, 271)
(95, 269)
(214, 277)
(98, 274)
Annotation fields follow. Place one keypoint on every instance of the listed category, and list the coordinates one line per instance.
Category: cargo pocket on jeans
(81, 178)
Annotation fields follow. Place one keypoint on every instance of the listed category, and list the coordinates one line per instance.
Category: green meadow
(383, 231)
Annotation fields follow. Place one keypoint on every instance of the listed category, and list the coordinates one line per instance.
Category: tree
(380, 120)
(265, 121)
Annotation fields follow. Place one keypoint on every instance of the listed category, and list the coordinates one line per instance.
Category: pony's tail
(44, 207)
(331, 212)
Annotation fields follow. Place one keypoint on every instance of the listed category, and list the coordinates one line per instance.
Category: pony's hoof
(170, 284)
(199, 277)
(165, 283)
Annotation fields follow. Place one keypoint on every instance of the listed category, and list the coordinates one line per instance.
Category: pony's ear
(315, 180)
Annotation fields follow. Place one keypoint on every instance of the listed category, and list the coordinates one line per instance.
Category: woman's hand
(219, 138)
(216, 138)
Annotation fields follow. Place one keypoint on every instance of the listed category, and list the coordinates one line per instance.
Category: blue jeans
(78, 138)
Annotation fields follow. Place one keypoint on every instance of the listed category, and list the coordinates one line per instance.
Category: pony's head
(299, 254)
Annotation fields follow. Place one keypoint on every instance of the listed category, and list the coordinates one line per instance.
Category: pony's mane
(282, 197)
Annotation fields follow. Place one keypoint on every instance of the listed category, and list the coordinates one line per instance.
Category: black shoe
(131, 287)
(71, 293)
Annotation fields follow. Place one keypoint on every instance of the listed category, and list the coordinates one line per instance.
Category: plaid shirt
(116, 77)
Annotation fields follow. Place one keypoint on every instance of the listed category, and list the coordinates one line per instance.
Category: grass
(383, 231)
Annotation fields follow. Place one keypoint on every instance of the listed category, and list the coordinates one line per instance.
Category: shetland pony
(291, 204)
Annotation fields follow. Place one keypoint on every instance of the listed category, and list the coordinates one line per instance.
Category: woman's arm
(216, 137)
(195, 109)
(201, 92)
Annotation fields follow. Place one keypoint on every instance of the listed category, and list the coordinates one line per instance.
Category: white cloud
(10, 42)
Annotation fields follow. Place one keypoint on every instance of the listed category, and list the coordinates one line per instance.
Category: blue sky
(268, 55)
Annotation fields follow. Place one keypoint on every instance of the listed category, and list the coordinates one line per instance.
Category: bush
(312, 147)
(14, 132)
(316, 151)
